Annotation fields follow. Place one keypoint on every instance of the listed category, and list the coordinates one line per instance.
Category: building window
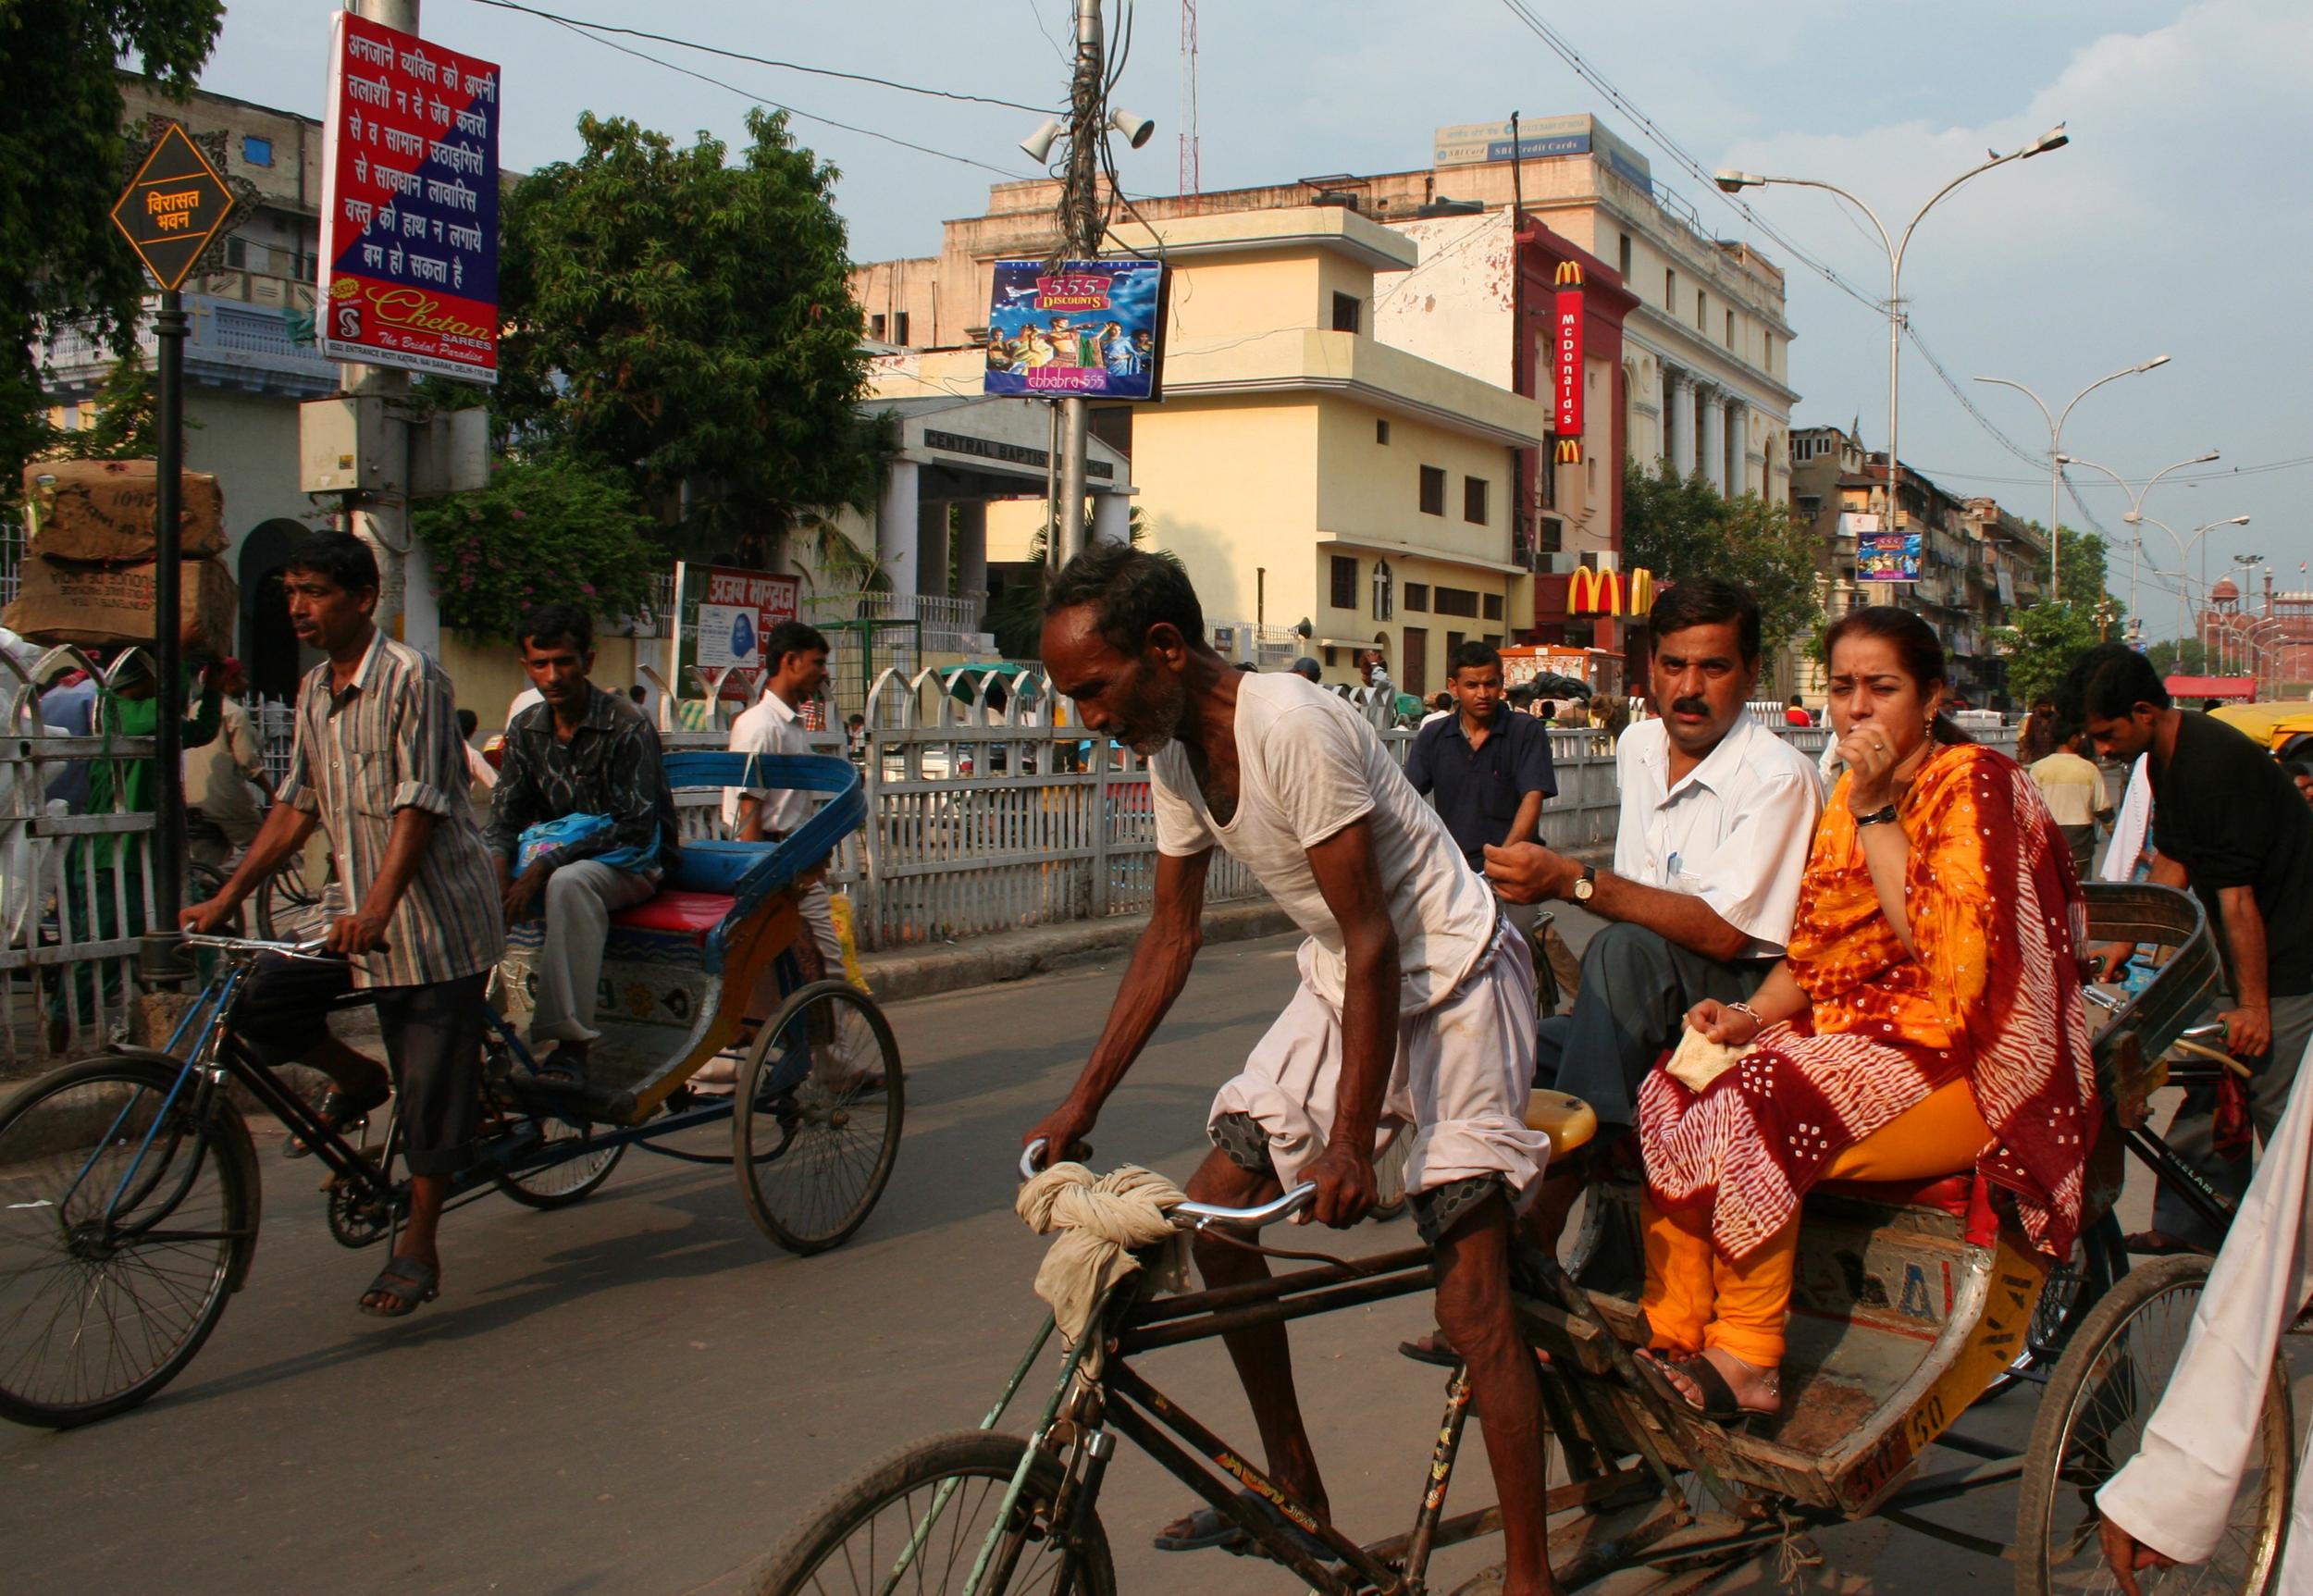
(1494, 607)
(1809, 505)
(1670, 290)
(1344, 573)
(1769, 356)
(875, 328)
(1328, 658)
(900, 329)
(1730, 329)
(1433, 491)
(255, 151)
(1700, 299)
(236, 255)
(1474, 500)
(1346, 312)
(1454, 646)
(1381, 429)
(1384, 591)
(1417, 597)
(1622, 254)
(1494, 639)
(1553, 537)
(1456, 601)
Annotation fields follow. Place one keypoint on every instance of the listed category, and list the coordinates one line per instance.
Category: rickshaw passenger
(580, 751)
(1926, 1019)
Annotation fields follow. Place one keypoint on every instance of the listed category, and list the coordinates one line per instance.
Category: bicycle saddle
(1568, 1121)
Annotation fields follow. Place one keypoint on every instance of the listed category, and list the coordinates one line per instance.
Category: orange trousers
(1694, 1299)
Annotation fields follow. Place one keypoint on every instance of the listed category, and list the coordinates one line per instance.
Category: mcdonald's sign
(1566, 346)
(1591, 592)
(1642, 591)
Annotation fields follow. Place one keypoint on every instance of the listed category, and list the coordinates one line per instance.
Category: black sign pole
(168, 830)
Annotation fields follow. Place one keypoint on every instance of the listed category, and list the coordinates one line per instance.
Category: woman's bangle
(1758, 1024)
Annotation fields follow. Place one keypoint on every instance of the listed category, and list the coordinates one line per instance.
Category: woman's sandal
(1719, 1403)
(339, 1113)
(405, 1283)
(1208, 1527)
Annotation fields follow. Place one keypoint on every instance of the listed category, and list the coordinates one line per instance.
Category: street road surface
(642, 1395)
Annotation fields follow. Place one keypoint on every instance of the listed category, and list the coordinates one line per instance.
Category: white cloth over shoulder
(2132, 828)
(2176, 1494)
(1307, 767)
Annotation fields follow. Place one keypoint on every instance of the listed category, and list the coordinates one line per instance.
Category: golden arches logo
(1569, 275)
(1568, 451)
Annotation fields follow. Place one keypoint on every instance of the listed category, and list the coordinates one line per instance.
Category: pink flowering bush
(543, 531)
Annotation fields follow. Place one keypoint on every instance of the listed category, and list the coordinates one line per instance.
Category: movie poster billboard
(1083, 329)
(737, 610)
(1884, 554)
(409, 205)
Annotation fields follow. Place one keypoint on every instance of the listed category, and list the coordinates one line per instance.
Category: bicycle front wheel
(128, 1215)
(2092, 1419)
(916, 1521)
(816, 1116)
(288, 908)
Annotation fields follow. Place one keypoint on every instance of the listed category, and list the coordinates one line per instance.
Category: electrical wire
(759, 100)
(761, 60)
(2297, 463)
(1966, 401)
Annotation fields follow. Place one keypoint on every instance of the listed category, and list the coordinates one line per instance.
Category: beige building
(1326, 491)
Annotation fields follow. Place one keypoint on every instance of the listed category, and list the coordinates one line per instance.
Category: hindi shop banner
(739, 607)
(1092, 330)
(409, 205)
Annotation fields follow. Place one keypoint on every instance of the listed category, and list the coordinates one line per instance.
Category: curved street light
(1731, 182)
(2135, 510)
(2056, 446)
(2184, 546)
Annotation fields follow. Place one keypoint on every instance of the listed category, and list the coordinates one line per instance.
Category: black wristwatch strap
(1877, 816)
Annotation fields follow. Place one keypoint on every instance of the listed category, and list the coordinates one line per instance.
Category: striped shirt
(388, 742)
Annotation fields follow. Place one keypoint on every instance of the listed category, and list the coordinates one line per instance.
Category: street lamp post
(2245, 564)
(2135, 512)
(2056, 138)
(2056, 448)
(2259, 649)
(2184, 546)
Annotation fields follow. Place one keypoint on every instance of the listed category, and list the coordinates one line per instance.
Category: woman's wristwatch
(1885, 816)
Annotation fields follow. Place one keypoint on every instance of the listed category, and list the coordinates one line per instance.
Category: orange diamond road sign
(173, 207)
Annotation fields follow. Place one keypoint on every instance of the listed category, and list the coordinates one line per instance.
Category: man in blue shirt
(1487, 769)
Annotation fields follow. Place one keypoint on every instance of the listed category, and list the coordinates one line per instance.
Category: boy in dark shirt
(2228, 822)
(1485, 769)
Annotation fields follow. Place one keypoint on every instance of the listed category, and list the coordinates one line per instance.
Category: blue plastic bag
(574, 828)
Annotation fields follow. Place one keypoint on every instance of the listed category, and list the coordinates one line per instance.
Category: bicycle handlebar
(314, 947)
(1199, 1215)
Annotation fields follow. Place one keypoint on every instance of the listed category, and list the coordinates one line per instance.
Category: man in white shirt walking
(1717, 812)
(1414, 1012)
(797, 657)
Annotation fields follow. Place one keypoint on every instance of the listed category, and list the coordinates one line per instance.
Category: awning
(2238, 689)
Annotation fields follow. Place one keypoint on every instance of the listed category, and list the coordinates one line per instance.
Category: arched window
(1384, 591)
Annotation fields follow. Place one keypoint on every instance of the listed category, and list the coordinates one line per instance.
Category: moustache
(1689, 707)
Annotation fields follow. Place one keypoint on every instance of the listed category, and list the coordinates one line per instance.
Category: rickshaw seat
(1568, 1121)
(692, 914)
(1966, 1196)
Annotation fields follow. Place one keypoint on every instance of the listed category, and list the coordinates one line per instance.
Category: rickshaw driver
(1415, 1001)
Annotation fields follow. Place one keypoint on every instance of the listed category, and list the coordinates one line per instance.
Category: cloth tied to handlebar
(1103, 1220)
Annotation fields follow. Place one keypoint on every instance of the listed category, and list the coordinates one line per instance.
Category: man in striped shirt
(378, 764)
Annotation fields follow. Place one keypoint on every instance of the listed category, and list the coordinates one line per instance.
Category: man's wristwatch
(1877, 816)
(1587, 885)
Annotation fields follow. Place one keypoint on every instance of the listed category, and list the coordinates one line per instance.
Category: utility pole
(1082, 224)
(383, 519)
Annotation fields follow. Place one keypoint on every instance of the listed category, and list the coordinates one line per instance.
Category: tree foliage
(2179, 657)
(1681, 527)
(546, 530)
(121, 421)
(62, 263)
(2048, 637)
(691, 323)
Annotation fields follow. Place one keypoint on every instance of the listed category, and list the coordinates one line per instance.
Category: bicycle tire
(811, 1159)
(284, 901)
(2091, 1419)
(81, 1133)
(982, 1463)
(572, 1181)
(2073, 1289)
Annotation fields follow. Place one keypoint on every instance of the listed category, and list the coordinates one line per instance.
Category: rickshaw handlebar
(1196, 1216)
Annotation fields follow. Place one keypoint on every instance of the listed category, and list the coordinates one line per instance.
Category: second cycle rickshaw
(130, 1192)
(1912, 1305)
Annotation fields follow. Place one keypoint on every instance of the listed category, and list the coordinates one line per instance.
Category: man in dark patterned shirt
(378, 764)
(582, 752)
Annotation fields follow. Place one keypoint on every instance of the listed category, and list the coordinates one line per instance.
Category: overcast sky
(2177, 222)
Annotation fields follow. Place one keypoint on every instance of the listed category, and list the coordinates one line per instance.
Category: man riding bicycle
(1416, 1008)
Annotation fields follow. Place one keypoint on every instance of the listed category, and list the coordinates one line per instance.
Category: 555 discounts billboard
(1094, 329)
(409, 205)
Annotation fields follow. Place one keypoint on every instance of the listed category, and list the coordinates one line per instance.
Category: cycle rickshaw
(1912, 1305)
(129, 1193)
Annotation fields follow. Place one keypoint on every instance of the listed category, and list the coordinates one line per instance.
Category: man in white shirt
(1717, 812)
(797, 657)
(1414, 1012)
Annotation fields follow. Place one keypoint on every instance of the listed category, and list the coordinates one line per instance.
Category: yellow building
(1326, 491)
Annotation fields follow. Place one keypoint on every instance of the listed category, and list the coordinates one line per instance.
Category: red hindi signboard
(409, 205)
(1567, 356)
(739, 609)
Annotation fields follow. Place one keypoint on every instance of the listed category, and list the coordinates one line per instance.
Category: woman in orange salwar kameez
(1926, 1020)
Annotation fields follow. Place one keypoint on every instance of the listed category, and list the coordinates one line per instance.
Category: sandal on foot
(405, 1283)
(1435, 1348)
(1209, 1527)
(341, 1113)
(562, 1068)
(2157, 1243)
(1719, 1403)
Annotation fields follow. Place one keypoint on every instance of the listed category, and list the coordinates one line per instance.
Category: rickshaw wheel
(816, 1117)
(2092, 1419)
(850, 1542)
(2073, 1289)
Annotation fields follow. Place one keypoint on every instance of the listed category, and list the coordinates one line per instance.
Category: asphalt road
(642, 1395)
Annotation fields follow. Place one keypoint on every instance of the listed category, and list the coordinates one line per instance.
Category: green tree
(1015, 616)
(2179, 657)
(551, 529)
(1681, 527)
(62, 263)
(2047, 638)
(122, 426)
(691, 323)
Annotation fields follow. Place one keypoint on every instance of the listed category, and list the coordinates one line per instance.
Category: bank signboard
(409, 205)
(1080, 329)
